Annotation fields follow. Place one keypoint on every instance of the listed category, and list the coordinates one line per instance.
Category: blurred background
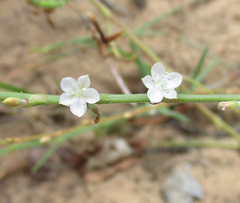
(171, 153)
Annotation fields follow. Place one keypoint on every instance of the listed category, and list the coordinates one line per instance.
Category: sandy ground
(213, 23)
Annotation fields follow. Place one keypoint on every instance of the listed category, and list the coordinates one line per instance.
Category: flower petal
(66, 99)
(84, 81)
(148, 81)
(170, 94)
(68, 84)
(155, 95)
(78, 106)
(91, 95)
(172, 80)
(158, 71)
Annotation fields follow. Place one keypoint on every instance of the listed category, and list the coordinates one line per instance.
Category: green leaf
(123, 54)
(207, 70)
(173, 114)
(57, 45)
(144, 68)
(199, 47)
(49, 4)
(45, 157)
(199, 66)
(12, 88)
(18, 146)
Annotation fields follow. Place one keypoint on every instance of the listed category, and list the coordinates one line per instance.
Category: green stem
(38, 99)
(182, 98)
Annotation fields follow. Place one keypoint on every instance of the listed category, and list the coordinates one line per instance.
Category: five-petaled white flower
(161, 83)
(77, 94)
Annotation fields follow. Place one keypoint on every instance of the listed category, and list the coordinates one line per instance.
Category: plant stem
(182, 98)
(38, 99)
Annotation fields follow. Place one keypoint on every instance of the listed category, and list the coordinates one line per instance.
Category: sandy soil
(213, 23)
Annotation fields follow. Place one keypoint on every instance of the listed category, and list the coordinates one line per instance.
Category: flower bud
(12, 101)
(230, 104)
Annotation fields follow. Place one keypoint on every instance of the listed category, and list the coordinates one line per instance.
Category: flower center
(161, 84)
(79, 93)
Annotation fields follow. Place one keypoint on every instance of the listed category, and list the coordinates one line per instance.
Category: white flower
(77, 94)
(161, 83)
